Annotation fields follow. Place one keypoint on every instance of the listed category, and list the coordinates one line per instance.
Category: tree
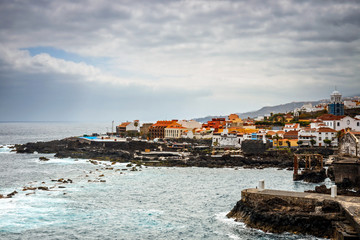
(299, 142)
(313, 142)
(327, 142)
(340, 134)
(276, 137)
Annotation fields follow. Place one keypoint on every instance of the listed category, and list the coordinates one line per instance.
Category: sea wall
(283, 211)
(347, 172)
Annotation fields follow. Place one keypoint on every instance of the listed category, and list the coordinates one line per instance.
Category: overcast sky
(123, 60)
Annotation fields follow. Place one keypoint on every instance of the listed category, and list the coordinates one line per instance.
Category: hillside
(283, 108)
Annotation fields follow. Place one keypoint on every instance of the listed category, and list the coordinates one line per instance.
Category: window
(358, 124)
(338, 124)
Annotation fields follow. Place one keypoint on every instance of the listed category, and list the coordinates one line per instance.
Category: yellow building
(285, 142)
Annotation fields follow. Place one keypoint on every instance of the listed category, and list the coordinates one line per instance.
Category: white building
(306, 135)
(318, 135)
(225, 139)
(326, 134)
(341, 122)
(191, 124)
(133, 126)
(198, 133)
(350, 104)
(292, 127)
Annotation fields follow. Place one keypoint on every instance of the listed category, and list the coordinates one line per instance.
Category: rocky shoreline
(131, 151)
(284, 212)
(278, 216)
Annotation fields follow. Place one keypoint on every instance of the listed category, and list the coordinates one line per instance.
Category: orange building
(215, 123)
(233, 117)
(121, 128)
(157, 130)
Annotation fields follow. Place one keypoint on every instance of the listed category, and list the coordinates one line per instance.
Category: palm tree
(313, 142)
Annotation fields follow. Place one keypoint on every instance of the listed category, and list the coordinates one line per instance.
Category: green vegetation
(327, 142)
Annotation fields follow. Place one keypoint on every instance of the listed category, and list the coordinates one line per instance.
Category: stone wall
(347, 171)
(283, 211)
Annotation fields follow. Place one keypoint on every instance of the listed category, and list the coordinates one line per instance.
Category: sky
(160, 60)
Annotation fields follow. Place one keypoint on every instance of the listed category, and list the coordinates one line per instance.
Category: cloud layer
(185, 58)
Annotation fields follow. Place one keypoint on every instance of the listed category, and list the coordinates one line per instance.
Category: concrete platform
(350, 205)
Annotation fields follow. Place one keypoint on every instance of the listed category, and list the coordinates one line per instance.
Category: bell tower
(336, 106)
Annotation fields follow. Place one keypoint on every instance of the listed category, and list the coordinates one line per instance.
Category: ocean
(152, 203)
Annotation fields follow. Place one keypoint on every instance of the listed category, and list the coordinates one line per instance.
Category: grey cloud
(307, 39)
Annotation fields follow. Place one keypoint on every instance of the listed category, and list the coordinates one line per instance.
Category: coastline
(161, 154)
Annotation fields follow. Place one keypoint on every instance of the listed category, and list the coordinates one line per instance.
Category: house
(291, 127)
(248, 122)
(288, 118)
(350, 144)
(203, 133)
(127, 127)
(133, 126)
(318, 137)
(325, 134)
(235, 121)
(293, 134)
(350, 104)
(288, 139)
(121, 129)
(226, 140)
(276, 134)
(174, 130)
(233, 117)
(305, 136)
(215, 124)
(285, 142)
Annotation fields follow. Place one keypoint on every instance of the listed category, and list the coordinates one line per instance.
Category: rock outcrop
(281, 213)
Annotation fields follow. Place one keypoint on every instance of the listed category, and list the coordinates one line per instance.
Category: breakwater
(308, 213)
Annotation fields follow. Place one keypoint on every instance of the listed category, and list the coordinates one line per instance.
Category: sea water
(153, 203)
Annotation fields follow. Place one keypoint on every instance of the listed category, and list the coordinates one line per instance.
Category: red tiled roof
(124, 124)
(326, 130)
(162, 123)
(330, 117)
(291, 133)
(175, 125)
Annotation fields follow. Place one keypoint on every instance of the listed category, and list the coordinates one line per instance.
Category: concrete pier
(342, 218)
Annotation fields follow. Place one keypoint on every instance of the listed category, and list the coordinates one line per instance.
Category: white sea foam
(6, 149)
(221, 217)
(233, 236)
(61, 161)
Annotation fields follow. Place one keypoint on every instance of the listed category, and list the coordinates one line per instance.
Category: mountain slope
(283, 108)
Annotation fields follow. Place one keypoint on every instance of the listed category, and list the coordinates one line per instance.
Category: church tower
(336, 106)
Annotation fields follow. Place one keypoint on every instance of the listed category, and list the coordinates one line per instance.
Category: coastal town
(315, 142)
(309, 126)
